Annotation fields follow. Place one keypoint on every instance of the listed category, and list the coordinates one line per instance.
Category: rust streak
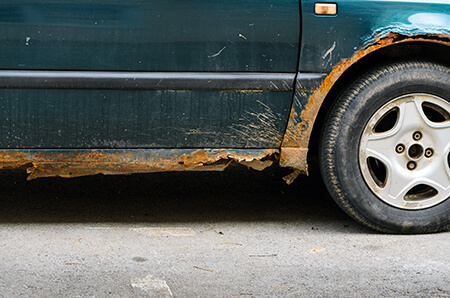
(299, 127)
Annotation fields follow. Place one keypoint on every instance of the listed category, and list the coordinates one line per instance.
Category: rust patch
(66, 163)
(299, 127)
(294, 158)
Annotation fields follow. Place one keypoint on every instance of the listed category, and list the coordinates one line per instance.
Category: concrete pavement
(238, 233)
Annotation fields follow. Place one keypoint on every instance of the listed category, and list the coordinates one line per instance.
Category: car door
(146, 73)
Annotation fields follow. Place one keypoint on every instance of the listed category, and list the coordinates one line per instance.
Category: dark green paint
(147, 35)
(326, 40)
(150, 35)
(32, 118)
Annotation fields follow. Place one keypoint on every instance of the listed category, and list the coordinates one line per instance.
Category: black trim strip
(146, 80)
(309, 81)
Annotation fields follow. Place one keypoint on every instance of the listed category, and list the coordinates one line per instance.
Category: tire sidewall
(359, 200)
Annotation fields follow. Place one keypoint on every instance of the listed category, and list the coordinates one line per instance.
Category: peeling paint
(303, 116)
(405, 30)
(74, 163)
(290, 178)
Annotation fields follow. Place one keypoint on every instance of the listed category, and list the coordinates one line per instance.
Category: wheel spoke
(401, 181)
(381, 146)
(397, 185)
(442, 133)
(411, 116)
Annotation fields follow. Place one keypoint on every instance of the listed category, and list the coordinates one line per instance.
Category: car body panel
(58, 128)
(150, 35)
(327, 40)
(334, 43)
(81, 119)
(147, 37)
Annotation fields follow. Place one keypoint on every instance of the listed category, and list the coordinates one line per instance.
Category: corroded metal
(74, 163)
(294, 149)
(293, 152)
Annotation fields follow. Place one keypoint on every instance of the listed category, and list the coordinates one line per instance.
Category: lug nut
(411, 165)
(400, 148)
(417, 135)
(429, 152)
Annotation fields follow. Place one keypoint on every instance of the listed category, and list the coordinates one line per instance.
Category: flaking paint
(294, 151)
(75, 163)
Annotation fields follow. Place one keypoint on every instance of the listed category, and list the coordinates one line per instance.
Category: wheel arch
(299, 146)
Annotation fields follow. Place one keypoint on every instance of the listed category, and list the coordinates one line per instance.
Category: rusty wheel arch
(411, 49)
(299, 146)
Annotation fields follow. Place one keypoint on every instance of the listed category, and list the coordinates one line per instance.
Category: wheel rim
(404, 152)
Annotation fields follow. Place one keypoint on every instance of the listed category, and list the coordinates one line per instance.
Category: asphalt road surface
(231, 234)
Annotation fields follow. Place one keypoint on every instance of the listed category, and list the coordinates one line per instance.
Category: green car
(133, 86)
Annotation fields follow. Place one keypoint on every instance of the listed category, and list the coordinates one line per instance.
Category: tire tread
(331, 132)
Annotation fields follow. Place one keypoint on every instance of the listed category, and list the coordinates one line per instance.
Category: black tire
(341, 137)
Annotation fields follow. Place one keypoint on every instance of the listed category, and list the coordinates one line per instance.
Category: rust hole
(26, 166)
(222, 161)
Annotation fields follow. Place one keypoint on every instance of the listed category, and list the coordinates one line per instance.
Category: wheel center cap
(415, 151)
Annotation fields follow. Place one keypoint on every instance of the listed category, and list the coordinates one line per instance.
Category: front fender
(332, 45)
